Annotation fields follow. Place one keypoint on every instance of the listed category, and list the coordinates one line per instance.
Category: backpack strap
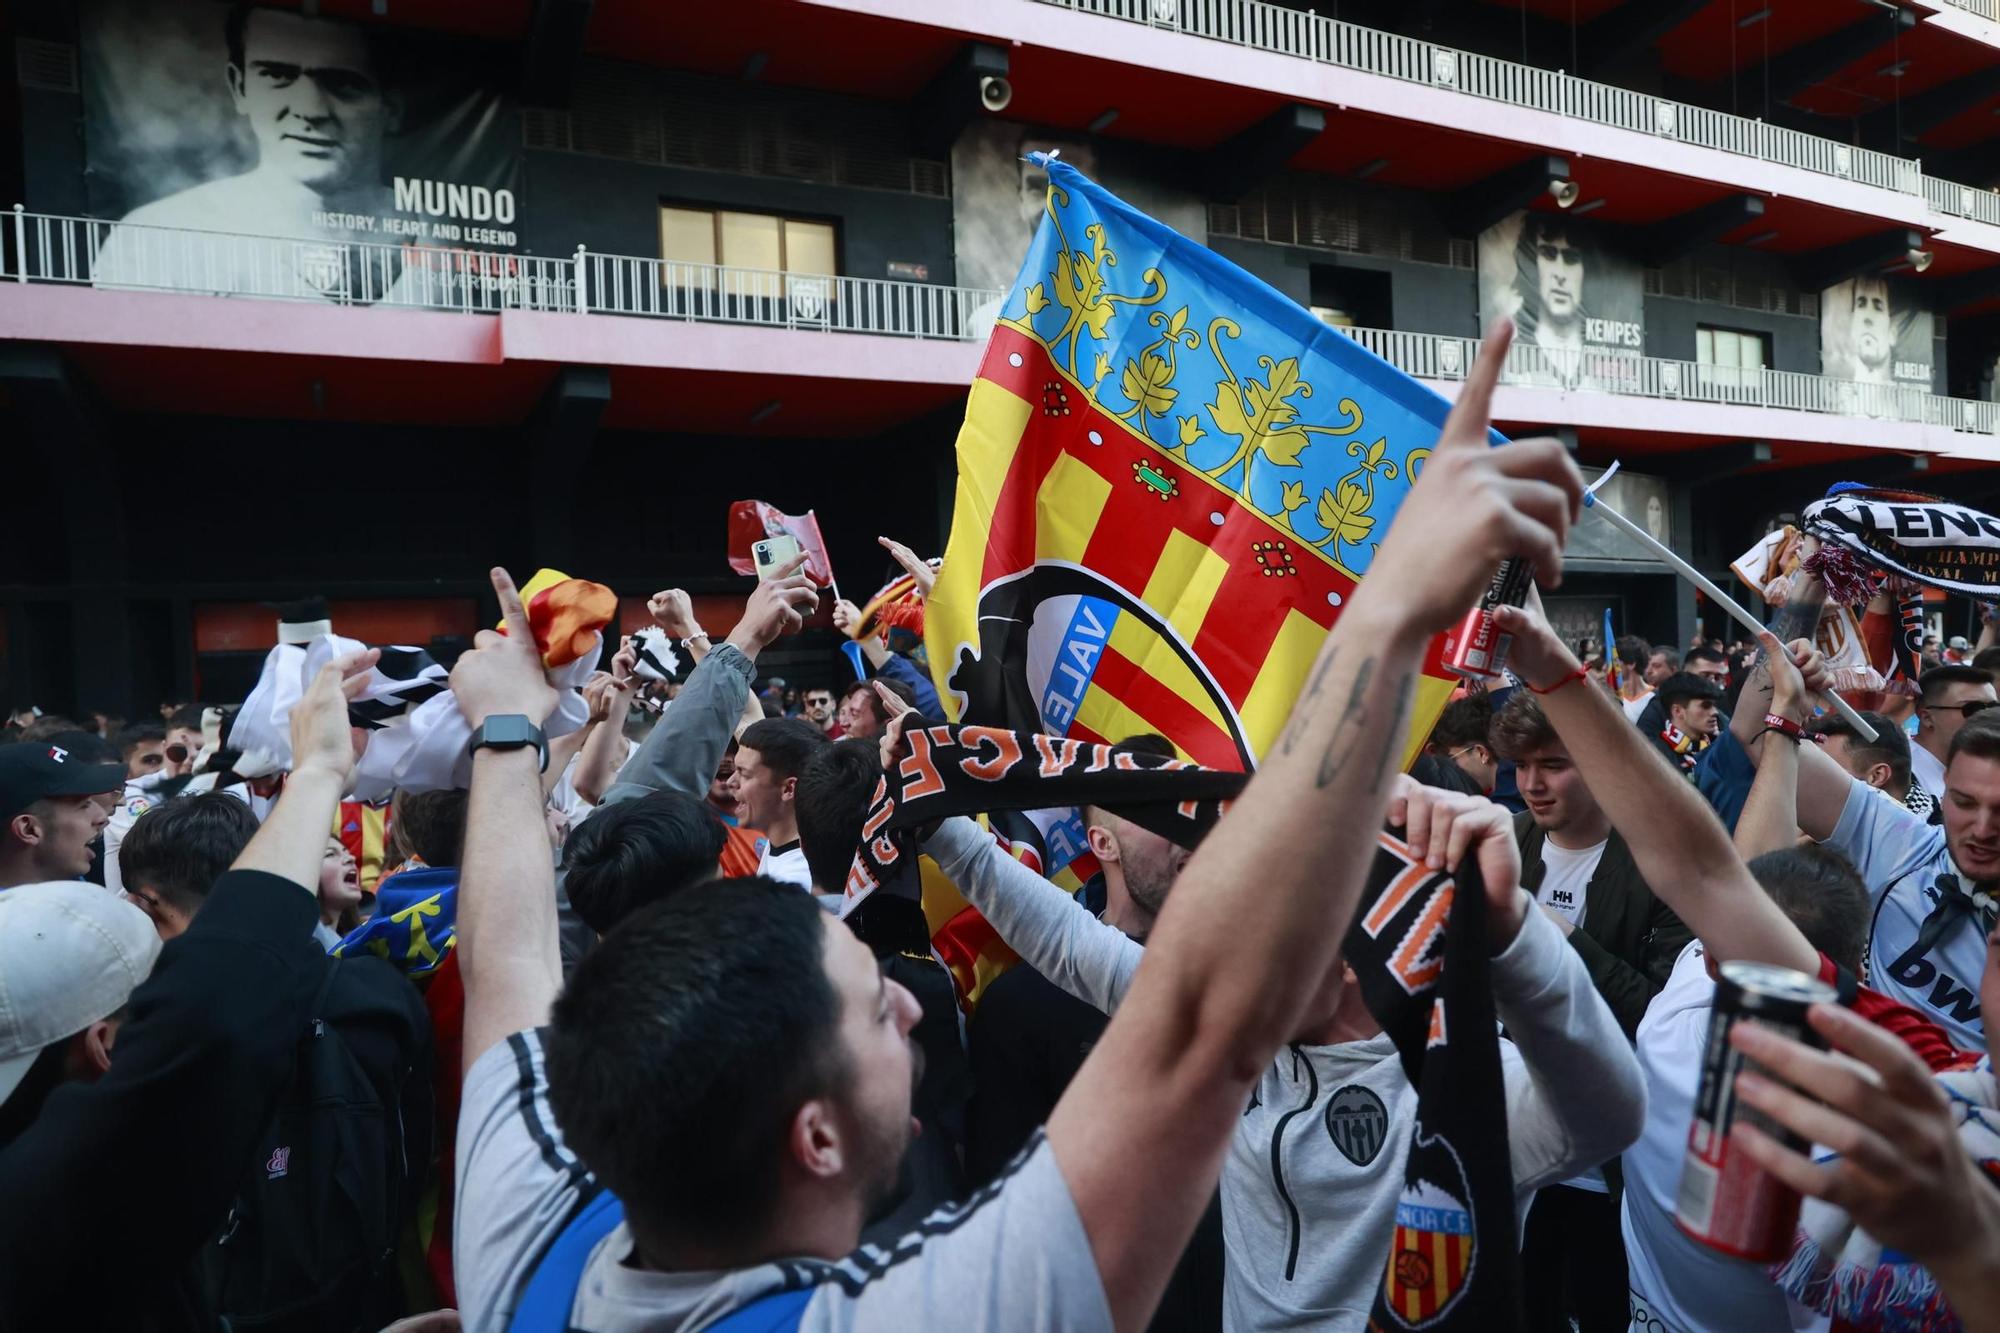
(780, 1312)
(544, 1307)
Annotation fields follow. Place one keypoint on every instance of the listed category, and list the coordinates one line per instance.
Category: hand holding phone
(772, 553)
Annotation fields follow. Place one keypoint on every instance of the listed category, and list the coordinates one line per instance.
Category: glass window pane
(1726, 347)
(1704, 347)
(750, 240)
(687, 235)
(809, 247)
(1755, 357)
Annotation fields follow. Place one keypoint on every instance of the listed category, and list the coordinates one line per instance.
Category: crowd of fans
(592, 1043)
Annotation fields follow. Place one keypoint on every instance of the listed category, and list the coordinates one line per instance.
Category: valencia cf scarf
(1451, 1260)
(1912, 536)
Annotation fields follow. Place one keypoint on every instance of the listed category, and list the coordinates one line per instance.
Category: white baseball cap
(71, 953)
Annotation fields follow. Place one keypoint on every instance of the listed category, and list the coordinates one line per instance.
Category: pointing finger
(512, 613)
(1473, 412)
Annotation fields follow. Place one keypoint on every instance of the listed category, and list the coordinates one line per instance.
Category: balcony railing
(42, 248)
(1986, 9)
(1311, 36)
(1440, 357)
(38, 247)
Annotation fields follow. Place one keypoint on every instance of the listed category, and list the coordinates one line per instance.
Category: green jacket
(1629, 939)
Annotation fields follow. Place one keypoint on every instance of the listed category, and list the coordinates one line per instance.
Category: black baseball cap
(31, 771)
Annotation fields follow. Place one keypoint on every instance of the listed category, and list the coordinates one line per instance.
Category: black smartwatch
(510, 731)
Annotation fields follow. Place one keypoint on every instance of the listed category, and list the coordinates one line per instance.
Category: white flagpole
(1715, 594)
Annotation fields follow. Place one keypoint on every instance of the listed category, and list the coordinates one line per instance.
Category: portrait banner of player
(384, 160)
(1578, 305)
(997, 197)
(1875, 331)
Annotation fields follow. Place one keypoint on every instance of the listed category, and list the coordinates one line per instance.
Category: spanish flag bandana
(566, 614)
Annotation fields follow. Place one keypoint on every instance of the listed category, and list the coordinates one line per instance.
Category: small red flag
(751, 521)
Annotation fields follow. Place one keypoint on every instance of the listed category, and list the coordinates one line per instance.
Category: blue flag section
(415, 921)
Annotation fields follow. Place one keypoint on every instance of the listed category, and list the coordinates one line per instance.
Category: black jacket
(107, 1196)
(1628, 940)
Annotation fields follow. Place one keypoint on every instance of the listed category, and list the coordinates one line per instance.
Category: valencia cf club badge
(1435, 1245)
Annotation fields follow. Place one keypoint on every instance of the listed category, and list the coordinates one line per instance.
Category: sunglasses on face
(1568, 254)
(1964, 709)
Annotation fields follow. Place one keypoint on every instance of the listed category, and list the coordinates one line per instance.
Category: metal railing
(1986, 9)
(667, 289)
(1593, 370)
(40, 247)
(43, 248)
(1311, 36)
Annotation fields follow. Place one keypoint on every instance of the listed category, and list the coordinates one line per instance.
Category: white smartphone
(773, 553)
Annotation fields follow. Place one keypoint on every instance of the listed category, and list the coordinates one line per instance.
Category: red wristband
(1773, 722)
(1581, 673)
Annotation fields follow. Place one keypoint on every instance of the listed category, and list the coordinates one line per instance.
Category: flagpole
(1715, 594)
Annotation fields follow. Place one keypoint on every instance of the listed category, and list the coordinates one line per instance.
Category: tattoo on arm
(1302, 710)
(1340, 747)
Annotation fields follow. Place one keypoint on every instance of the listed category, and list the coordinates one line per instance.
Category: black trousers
(1573, 1263)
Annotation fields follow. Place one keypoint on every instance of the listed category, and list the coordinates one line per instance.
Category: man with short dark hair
(1949, 696)
(142, 747)
(51, 810)
(174, 855)
(633, 853)
(817, 708)
(1932, 885)
(769, 759)
(1460, 738)
(746, 1187)
(1883, 763)
(863, 715)
(1711, 664)
(1691, 705)
(1662, 662)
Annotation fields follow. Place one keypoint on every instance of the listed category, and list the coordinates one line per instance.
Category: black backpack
(310, 1240)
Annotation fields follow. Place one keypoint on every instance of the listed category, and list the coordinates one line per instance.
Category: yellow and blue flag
(1170, 479)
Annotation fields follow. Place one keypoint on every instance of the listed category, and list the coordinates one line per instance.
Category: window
(1731, 358)
(747, 240)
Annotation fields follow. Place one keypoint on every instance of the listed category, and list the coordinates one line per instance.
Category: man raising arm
(733, 1065)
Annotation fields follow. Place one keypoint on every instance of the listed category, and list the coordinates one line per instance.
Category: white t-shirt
(1565, 876)
(563, 795)
(1926, 770)
(1634, 707)
(787, 866)
(1900, 857)
(1012, 1256)
(1679, 1285)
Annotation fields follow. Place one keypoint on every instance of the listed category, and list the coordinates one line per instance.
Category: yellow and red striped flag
(1170, 479)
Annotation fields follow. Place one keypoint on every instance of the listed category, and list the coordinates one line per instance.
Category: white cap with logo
(71, 953)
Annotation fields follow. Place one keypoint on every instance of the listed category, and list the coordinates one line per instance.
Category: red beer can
(1726, 1201)
(1476, 648)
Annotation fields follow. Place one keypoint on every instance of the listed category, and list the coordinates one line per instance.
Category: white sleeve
(1884, 839)
(1013, 1256)
(1583, 1098)
(1046, 926)
(518, 1185)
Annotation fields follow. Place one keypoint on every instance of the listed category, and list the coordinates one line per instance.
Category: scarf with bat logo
(1450, 1262)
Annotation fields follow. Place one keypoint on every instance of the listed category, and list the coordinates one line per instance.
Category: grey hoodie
(1310, 1185)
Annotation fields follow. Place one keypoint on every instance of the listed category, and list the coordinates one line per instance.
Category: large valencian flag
(1170, 478)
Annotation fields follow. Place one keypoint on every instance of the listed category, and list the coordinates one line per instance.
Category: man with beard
(1870, 339)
